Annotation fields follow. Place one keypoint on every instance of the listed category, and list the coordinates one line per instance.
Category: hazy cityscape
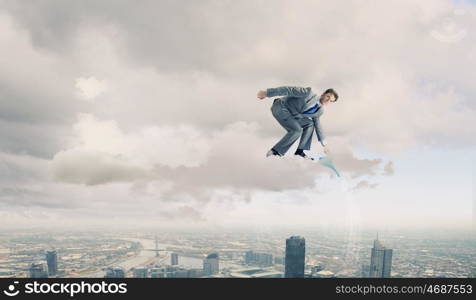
(236, 254)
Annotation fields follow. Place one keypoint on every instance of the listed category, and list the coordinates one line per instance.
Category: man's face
(327, 98)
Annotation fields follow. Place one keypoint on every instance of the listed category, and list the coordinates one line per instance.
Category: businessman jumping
(298, 112)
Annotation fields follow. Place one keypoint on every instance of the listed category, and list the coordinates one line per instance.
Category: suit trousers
(295, 127)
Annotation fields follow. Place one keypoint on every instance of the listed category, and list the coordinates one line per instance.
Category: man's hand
(261, 94)
(327, 150)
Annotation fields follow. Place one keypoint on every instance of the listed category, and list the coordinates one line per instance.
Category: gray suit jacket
(298, 100)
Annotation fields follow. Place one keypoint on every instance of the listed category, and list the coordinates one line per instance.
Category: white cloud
(180, 145)
(195, 163)
(90, 88)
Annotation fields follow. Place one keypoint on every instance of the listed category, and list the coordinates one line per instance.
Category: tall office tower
(211, 265)
(380, 261)
(174, 259)
(52, 262)
(115, 272)
(38, 271)
(295, 256)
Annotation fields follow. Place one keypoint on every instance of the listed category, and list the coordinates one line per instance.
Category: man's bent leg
(293, 128)
(287, 141)
(307, 131)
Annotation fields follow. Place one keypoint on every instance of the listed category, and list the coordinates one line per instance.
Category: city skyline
(131, 254)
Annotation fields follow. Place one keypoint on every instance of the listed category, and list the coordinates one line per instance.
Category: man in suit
(298, 112)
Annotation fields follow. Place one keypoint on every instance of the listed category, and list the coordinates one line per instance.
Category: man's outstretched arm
(288, 91)
(285, 91)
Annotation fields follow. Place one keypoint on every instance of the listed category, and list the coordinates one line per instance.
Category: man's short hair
(333, 92)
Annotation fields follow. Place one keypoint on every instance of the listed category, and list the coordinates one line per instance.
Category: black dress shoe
(303, 155)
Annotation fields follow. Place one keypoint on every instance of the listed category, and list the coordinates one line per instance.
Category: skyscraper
(295, 256)
(380, 261)
(211, 264)
(52, 262)
(174, 259)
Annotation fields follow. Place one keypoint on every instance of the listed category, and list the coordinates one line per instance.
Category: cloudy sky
(127, 113)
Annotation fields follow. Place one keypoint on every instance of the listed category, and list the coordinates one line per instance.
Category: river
(145, 255)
